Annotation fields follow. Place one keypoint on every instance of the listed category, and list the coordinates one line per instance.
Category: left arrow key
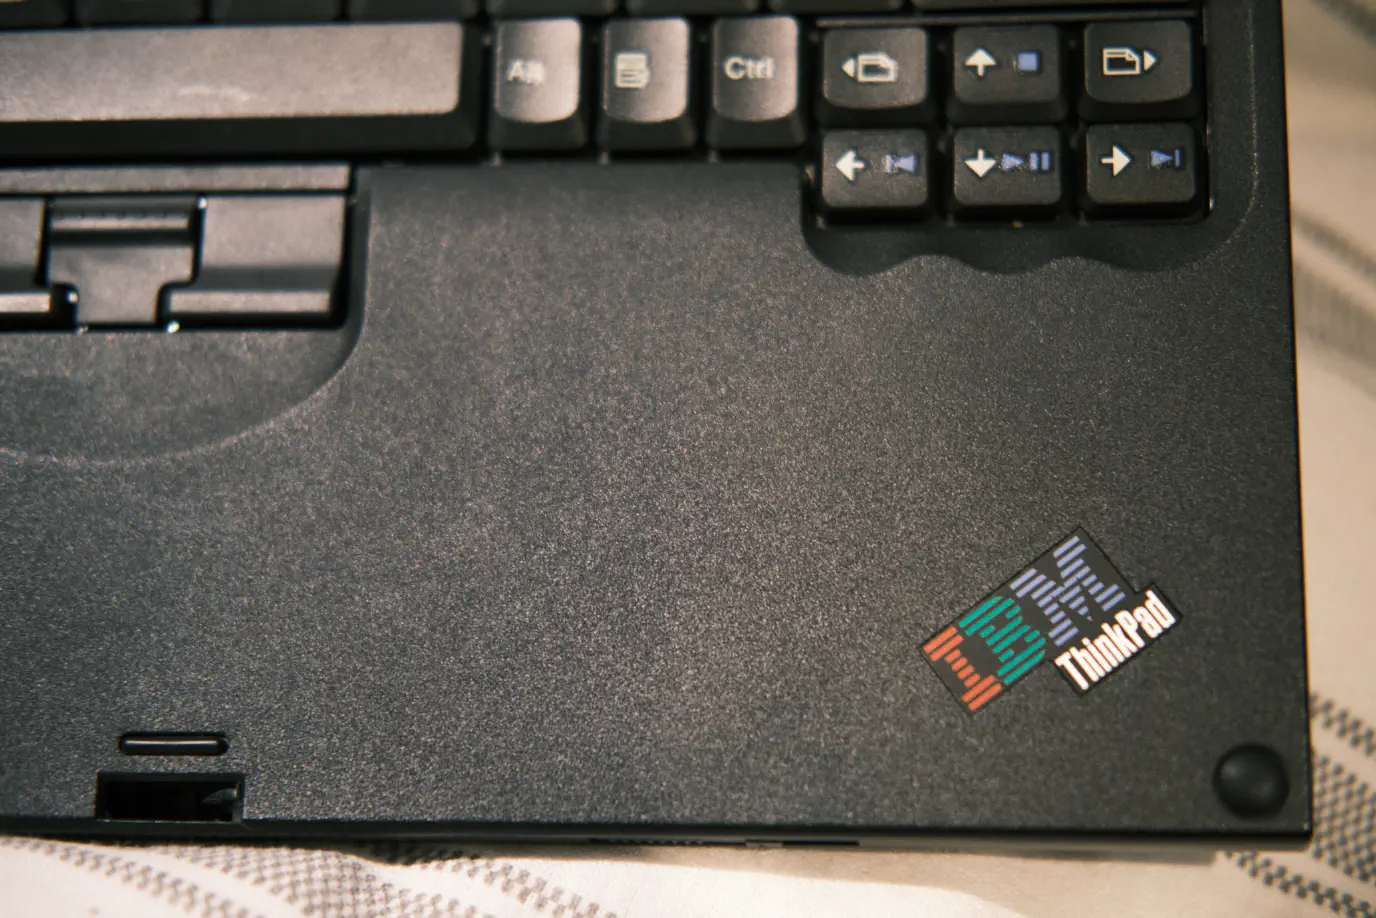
(851, 165)
(874, 173)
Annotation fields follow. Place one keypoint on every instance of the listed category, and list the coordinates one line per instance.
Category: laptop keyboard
(898, 115)
(944, 113)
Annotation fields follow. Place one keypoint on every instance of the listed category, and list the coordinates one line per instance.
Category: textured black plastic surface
(625, 503)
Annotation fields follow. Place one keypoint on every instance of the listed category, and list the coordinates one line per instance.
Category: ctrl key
(875, 173)
(755, 101)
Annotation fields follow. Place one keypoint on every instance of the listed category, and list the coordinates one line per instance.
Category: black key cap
(1136, 166)
(274, 10)
(401, 10)
(24, 14)
(646, 85)
(537, 86)
(1139, 70)
(1007, 75)
(1008, 171)
(835, 6)
(874, 76)
(515, 8)
(158, 12)
(274, 90)
(1000, 4)
(875, 172)
(691, 7)
(755, 96)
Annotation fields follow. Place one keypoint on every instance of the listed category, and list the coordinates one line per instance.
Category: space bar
(323, 89)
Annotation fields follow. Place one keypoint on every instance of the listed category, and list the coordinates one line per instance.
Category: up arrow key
(851, 165)
(1119, 161)
(981, 61)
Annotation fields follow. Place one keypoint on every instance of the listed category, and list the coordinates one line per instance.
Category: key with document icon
(1119, 61)
(1137, 70)
(874, 76)
(646, 100)
(871, 67)
(632, 70)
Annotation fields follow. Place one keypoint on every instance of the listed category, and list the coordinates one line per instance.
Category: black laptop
(750, 421)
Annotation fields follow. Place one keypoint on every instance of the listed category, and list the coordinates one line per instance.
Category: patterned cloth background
(1332, 59)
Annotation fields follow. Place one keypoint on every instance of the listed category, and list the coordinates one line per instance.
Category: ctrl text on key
(738, 67)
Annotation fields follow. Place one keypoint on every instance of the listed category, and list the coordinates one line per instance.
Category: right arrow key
(1134, 167)
(1117, 160)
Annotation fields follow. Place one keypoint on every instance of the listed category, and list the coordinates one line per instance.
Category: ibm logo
(1070, 606)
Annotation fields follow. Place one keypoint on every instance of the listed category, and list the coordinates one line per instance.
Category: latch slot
(169, 798)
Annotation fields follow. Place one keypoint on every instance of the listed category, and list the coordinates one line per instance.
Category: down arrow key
(981, 163)
(1007, 171)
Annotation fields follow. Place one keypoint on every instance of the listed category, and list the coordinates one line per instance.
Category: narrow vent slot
(204, 744)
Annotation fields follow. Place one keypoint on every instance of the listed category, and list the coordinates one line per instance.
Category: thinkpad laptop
(806, 421)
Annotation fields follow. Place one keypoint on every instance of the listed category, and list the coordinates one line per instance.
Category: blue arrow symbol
(895, 163)
(1163, 160)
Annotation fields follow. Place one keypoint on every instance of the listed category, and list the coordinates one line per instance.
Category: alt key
(875, 172)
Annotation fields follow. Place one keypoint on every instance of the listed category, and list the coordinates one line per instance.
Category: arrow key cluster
(1011, 120)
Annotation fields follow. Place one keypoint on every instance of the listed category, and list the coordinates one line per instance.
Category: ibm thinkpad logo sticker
(1070, 607)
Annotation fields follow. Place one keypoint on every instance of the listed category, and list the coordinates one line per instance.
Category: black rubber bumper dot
(1251, 782)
